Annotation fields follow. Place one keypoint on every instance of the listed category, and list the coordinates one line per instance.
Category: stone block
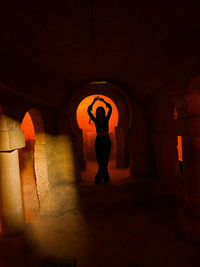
(11, 139)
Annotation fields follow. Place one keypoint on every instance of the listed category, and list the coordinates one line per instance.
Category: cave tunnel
(143, 58)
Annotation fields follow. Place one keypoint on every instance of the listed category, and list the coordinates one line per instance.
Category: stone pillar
(189, 127)
(190, 214)
(11, 207)
(122, 149)
(165, 154)
(12, 216)
(164, 142)
(142, 163)
(79, 148)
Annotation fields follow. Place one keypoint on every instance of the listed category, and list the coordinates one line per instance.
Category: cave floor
(102, 225)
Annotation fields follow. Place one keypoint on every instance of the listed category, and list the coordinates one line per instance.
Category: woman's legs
(102, 148)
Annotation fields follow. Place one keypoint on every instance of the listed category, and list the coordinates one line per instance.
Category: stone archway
(117, 95)
(38, 148)
(188, 106)
(88, 127)
(179, 142)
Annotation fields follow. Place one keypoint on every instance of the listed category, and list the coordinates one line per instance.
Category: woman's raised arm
(92, 117)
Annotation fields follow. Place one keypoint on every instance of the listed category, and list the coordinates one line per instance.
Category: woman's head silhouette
(100, 112)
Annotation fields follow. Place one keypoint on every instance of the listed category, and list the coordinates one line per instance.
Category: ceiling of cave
(48, 48)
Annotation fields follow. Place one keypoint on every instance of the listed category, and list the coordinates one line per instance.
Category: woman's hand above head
(101, 99)
(96, 98)
(104, 101)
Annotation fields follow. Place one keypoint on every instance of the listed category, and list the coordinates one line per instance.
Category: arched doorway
(179, 145)
(87, 128)
(27, 170)
(180, 153)
(33, 166)
(125, 112)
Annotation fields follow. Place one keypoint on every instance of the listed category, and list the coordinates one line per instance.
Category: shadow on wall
(88, 127)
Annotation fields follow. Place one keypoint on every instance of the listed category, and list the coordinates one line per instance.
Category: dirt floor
(117, 224)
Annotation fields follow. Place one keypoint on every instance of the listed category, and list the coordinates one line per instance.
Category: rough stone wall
(58, 146)
(164, 142)
(140, 140)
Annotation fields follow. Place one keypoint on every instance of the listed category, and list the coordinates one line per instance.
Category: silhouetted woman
(102, 142)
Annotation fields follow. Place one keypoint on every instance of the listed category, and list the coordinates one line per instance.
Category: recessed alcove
(179, 144)
(86, 129)
(32, 159)
(27, 169)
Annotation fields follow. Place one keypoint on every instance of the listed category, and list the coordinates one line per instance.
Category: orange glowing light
(179, 147)
(28, 128)
(84, 120)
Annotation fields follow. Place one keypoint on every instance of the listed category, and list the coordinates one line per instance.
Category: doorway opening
(27, 170)
(89, 134)
(180, 154)
(33, 165)
(179, 146)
